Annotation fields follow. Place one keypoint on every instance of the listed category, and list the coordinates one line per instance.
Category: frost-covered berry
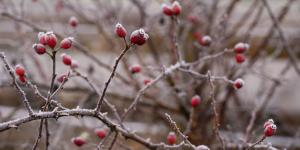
(239, 58)
(42, 37)
(101, 133)
(241, 47)
(73, 22)
(120, 31)
(167, 10)
(66, 59)
(205, 40)
(19, 70)
(78, 141)
(139, 37)
(238, 83)
(135, 69)
(51, 39)
(66, 43)
(39, 48)
(171, 138)
(270, 121)
(176, 8)
(195, 101)
(270, 130)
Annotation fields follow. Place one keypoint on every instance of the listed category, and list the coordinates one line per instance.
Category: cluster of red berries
(238, 83)
(239, 49)
(49, 39)
(20, 71)
(81, 140)
(173, 10)
(269, 128)
(203, 40)
(195, 101)
(138, 37)
(171, 138)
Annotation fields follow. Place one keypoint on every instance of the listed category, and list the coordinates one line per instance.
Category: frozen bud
(238, 83)
(39, 48)
(176, 8)
(120, 31)
(139, 37)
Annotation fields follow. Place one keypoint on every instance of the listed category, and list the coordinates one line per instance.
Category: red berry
(147, 81)
(66, 43)
(42, 38)
(167, 10)
(239, 58)
(241, 47)
(101, 133)
(270, 121)
(39, 48)
(78, 141)
(135, 69)
(195, 101)
(73, 21)
(171, 139)
(51, 39)
(176, 8)
(270, 130)
(238, 83)
(205, 41)
(22, 79)
(120, 30)
(20, 71)
(61, 78)
(67, 59)
(139, 37)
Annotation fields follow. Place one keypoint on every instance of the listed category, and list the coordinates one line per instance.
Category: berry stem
(100, 101)
(257, 142)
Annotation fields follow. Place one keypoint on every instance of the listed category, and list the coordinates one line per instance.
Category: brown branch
(16, 84)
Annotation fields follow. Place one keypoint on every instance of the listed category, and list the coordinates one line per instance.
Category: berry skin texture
(239, 58)
(241, 47)
(42, 38)
(238, 83)
(20, 71)
(66, 43)
(195, 101)
(120, 31)
(66, 59)
(167, 10)
(176, 8)
(205, 41)
(135, 69)
(171, 138)
(101, 133)
(39, 48)
(78, 141)
(147, 81)
(139, 37)
(270, 130)
(22, 79)
(51, 39)
(73, 22)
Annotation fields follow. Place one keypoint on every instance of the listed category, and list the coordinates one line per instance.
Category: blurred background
(270, 71)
